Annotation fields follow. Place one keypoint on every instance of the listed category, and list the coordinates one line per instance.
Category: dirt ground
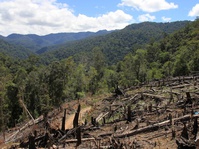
(149, 116)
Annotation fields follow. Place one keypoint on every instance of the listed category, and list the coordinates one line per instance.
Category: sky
(54, 16)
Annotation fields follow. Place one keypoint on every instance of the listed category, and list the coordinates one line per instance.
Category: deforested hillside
(157, 114)
(151, 94)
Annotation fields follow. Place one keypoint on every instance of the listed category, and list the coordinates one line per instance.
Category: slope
(116, 44)
(14, 51)
(35, 42)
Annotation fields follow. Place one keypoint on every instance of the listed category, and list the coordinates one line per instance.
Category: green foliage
(115, 45)
(15, 51)
(43, 87)
(39, 44)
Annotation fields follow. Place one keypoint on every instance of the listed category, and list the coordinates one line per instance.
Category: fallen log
(147, 128)
(30, 123)
(75, 140)
(154, 96)
(101, 116)
(27, 110)
(154, 126)
(181, 86)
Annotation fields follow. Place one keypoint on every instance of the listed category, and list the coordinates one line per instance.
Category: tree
(98, 59)
(14, 107)
(32, 92)
(140, 64)
(180, 67)
(5, 78)
(79, 82)
(153, 52)
(167, 68)
(194, 63)
(56, 82)
(20, 80)
(181, 60)
(126, 71)
(92, 79)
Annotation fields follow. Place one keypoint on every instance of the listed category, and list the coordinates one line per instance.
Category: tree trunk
(76, 118)
(63, 121)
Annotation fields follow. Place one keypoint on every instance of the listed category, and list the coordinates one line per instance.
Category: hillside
(155, 115)
(151, 94)
(35, 42)
(15, 51)
(116, 44)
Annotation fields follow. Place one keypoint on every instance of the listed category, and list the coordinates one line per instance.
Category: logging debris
(158, 114)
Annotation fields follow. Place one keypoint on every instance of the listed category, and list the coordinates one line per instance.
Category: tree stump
(184, 133)
(129, 114)
(31, 142)
(76, 118)
(78, 136)
(63, 121)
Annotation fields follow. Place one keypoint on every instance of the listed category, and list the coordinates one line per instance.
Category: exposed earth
(159, 114)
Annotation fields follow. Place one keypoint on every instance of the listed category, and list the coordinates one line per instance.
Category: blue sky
(53, 16)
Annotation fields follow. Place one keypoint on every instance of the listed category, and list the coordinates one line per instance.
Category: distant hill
(35, 42)
(114, 45)
(14, 51)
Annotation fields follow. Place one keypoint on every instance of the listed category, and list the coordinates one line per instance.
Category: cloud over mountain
(49, 16)
(146, 17)
(194, 11)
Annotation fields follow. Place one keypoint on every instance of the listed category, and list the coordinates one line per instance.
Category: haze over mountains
(114, 44)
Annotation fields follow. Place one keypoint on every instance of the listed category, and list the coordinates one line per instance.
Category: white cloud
(165, 19)
(146, 17)
(148, 5)
(194, 11)
(47, 16)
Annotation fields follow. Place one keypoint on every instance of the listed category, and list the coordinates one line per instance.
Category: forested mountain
(35, 42)
(41, 87)
(176, 54)
(114, 45)
(14, 50)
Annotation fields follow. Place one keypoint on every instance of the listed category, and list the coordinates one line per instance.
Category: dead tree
(129, 114)
(76, 118)
(63, 121)
(171, 95)
(189, 101)
(150, 107)
(195, 127)
(78, 136)
(173, 133)
(170, 118)
(25, 108)
(118, 92)
(184, 133)
(104, 120)
(93, 121)
(31, 142)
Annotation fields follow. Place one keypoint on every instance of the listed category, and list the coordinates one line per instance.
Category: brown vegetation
(158, 114)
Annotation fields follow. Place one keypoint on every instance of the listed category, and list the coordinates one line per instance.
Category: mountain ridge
(36, 42)
(15, 51)
(117, 44)
(114, 44)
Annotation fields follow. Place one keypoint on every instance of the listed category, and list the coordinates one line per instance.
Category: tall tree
(21, 80)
